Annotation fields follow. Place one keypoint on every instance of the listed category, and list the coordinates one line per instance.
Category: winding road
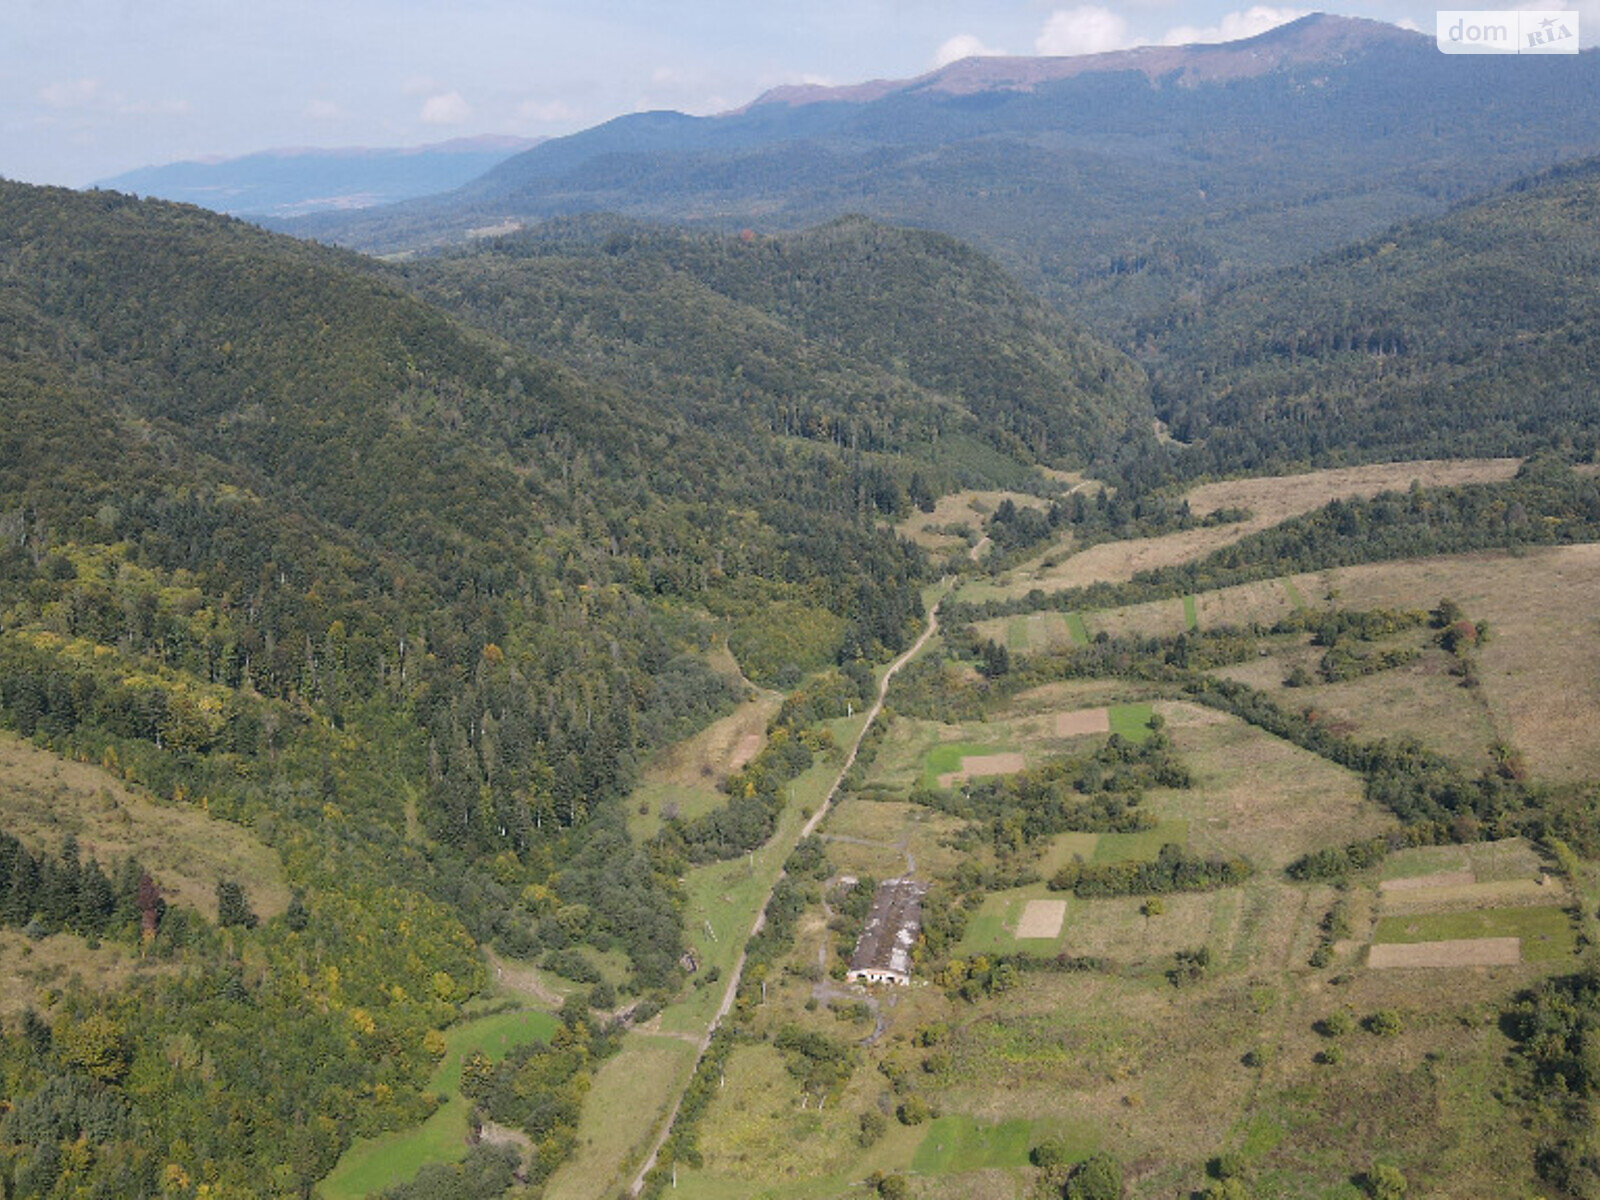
(807, 830)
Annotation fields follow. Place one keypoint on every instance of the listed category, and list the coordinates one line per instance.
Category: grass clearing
(31, 971)
(1131, 721)
(684, 778)
(1142, 846)
(957, 1143)
(373, 1164)
(47, 798)
(970, 508)
(630, 1096)
(1067, 848)
(1262, 797)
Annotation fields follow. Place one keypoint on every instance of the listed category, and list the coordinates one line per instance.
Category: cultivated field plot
(1270, 501)
(1035, 632)
(1263, 603)
(1042, 919)
(1540, 670)
(683, 777)
(1466, 952)
(1467, 904)
(1083, 722)
(46, 798)
(979, 766)
(1545, 934)
(1508, 859)
(916, 752)
(1072, 695)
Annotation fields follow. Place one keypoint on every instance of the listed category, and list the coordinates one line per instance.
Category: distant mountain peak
(1313, 38)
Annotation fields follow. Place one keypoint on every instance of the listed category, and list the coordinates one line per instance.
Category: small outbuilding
(883, 951)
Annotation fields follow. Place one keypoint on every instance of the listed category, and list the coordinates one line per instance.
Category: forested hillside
(854, 333)
(1474, 333)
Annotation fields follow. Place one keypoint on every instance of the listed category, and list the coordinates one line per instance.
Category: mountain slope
(876, 338)
(1473, 333)
(1112, 184)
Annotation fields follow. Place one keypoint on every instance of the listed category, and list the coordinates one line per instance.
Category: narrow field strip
(1463, 952)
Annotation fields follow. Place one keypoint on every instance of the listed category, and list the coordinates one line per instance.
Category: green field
(372, 1164)
(630, 1095)
(1079, 631)
(1547, 933)
(1132, 721)
(1143, 846)
(1190, 617)
(957, 1143)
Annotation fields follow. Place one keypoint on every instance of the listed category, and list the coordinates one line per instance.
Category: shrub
(1099, 1177)
(1385, 1023)
(1386, 1183)
(873, 1126)
(913, 1110)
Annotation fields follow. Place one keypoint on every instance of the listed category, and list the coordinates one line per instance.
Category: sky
(92, 88)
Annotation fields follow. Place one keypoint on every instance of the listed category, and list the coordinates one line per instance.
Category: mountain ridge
(1317, 35)
(1111, 193)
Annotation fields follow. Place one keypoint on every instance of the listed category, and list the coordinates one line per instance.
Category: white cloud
(447, 108)
(155, 108)
(1087, 29)
(71, 93)
(87, 97)
(1233, 26)
(1408, 23)
(547, 112)
(323, 110)
(675, 77)
(963, 45)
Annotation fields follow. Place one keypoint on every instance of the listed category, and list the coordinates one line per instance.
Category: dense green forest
(853, 333)
(1469, 334)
